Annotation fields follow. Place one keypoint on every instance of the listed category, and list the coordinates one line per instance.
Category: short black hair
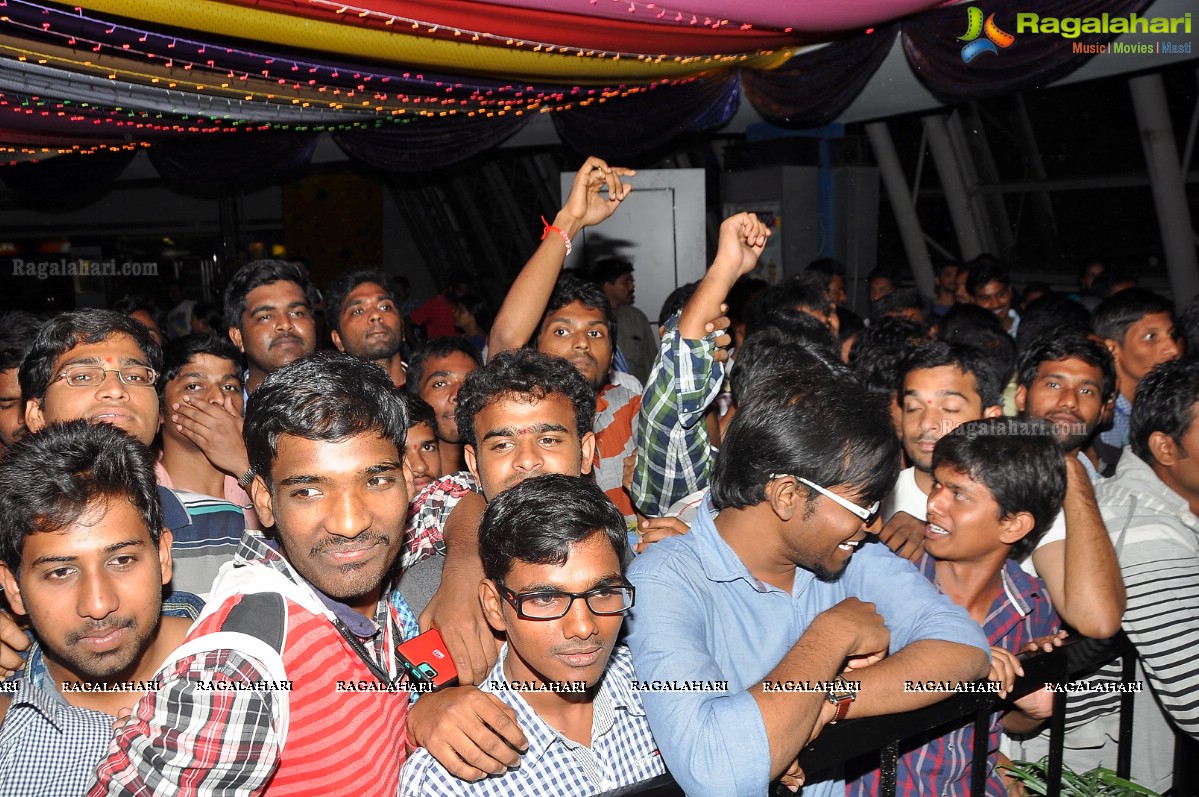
(610, 269)
(78, 328)
(803, 292)
(17, 331)
(1114, 316)
(677, 300)
(899, 300)
(341, 287)
(827, 430)
(878, 355)
(256, 274)
(998, 345)
(967, 359)
(779, 350)
(540, 519)
(961, 316)
(134, 302)
(1020, 463)
(49, 479)
(797, 325)
(418, 410)
(883, 273)
(1049, 314)
(1166, 399)
(570, 288)
(179, 352)
(984, 269)
(327, 396)
(437, 347)
(526, 373)
(475, 305)
(824, 269)
(1187, 325)
(1068, 344)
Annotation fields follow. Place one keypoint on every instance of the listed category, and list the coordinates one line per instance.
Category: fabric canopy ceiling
(409, 85)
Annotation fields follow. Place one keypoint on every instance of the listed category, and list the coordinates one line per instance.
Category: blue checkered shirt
(49, 748)
(622, 750)
(674, 454)
(1117, 436)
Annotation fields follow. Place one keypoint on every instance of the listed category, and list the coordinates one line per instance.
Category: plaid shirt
(47, 747)
(1020, 612)
(428, 512)
(1117, 436)
(622, 751)
(674, 454)
(187, 740)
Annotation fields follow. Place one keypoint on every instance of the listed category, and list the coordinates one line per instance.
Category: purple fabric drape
(68, 183)
(210, 166)
(625, 127)
(814, 87)
(428, 143)
(931, 43)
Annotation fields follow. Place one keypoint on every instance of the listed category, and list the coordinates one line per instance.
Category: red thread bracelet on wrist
(551, 228)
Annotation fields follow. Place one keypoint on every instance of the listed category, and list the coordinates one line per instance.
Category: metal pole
(956, 195)
(1169, 194)
(901, 204)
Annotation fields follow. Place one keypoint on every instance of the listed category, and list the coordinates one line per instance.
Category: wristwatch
(841, 695)
(246, 479)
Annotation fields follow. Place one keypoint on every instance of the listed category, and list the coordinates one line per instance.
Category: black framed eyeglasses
(551, 604)
(94, 375)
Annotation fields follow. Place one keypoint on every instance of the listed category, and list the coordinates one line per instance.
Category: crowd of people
(559, 551)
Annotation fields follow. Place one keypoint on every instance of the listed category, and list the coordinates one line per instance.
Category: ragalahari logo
(975, 27)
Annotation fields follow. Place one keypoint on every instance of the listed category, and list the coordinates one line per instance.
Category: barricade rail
(1078, 658)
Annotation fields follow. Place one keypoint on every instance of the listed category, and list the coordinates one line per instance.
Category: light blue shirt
(701, 614)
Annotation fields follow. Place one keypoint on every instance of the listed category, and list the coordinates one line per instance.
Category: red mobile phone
(427, 660)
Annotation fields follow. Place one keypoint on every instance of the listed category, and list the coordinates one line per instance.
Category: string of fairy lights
(78, 73)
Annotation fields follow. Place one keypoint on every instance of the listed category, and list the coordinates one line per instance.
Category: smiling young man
(775, 589)
(523, 414)
(946, 385)
(998, 484)
(84, 556)
(269, 313)
(573, 319)
(552, 552)
(294, 613)
(991, 289)
(365, 321)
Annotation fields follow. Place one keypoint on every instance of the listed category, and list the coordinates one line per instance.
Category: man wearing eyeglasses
(103, 367)
(777, 595)
(552, 548)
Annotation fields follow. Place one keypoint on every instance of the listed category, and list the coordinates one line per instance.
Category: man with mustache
(84, 556)
(364, 320)
(553, 548)
(244, 704)
(947, 384)
(269, 312)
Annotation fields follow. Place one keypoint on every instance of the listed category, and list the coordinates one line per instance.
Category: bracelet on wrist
(551, 228)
